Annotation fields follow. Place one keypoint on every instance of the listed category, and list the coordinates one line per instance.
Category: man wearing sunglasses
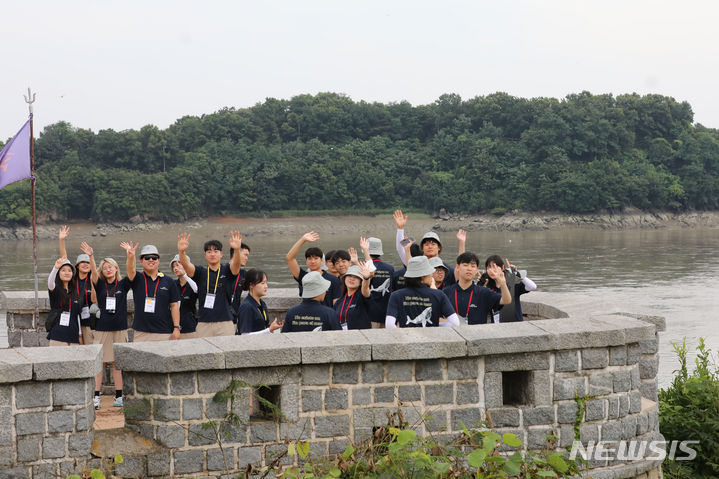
(215, 316)
(157, 299)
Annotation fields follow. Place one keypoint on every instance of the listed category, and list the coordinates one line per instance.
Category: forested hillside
(582, 154)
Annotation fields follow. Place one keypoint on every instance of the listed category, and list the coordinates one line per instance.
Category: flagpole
(30, 99)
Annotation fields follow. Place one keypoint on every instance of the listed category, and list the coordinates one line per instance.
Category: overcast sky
(123, 64)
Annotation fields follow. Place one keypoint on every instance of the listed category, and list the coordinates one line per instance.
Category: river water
(672, 272)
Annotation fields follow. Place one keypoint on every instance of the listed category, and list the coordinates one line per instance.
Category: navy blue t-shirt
(116, 320)
(419, 307)
(380, 289)
(334, 291)
(83, 287)
(483, 301)
(69, 333)
(253, 316)
(310, 315)
(165, 291)
(354, 311)
(234, 290)
(398, 279)
(188, 308)
(221, 310)
(511, 312)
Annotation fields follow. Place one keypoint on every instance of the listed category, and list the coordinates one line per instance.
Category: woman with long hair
(83, 286)
(65, 303)
(252, 316)
(353, 308)
(111, 326)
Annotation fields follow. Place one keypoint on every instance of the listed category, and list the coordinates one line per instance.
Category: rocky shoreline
(442, 221)
(628, 220)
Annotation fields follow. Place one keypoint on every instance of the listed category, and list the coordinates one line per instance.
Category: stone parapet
(579, 362)
(46, 409)
(334, 388)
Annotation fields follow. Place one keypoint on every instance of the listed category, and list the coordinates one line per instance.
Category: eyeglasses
(150, 257)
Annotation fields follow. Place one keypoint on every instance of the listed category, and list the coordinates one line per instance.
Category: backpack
(53, 317)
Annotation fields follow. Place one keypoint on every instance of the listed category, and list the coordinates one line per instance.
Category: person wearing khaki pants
(156, 297)
(111, 326)
(215, 316)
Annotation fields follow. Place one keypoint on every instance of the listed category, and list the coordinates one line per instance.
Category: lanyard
(456, 305)
(236, 281)
(114, 289)
(263, 314)
(183, 290)
(154, 295)
(217, 279)
(84, 288)
(345, 311)
(69, 304)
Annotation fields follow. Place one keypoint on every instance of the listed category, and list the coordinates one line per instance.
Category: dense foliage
(498, 152)
(689, 410)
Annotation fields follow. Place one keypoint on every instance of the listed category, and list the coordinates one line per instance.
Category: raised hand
(129, 248)
(462, 235)
(86, 248)
(364, 267)
(399, 219)
(364, 243)
(59, 262)
(353, 255)
(508, 264)
(311, 236)
(64, 232)
(235, 240)
(183, 242)
(496, 273)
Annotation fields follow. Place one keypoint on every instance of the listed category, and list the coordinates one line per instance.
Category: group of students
(338, 291)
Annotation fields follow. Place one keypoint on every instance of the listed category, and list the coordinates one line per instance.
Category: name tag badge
(65, 318)
(110, 304)
(495, 317)
(344, 326)
(209, 301)
(462, 319)
(85, 312)
(149, 305)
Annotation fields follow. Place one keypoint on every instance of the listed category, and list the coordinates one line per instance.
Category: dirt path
(108, 416)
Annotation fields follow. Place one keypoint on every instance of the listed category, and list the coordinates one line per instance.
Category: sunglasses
(150, 257)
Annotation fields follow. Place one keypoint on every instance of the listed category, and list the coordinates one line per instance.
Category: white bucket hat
(353, 270)
(313, 285)
(177, 258)
(437, 262)
(430, 235)
(375, 246)
(82, 258)
(149, 249)
(418, 267)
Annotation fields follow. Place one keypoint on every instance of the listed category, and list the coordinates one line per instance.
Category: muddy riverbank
(442, 221)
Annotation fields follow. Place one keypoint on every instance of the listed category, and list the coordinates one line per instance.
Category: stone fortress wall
(334, 387)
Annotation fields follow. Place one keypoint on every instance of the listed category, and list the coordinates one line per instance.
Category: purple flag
(15, 158)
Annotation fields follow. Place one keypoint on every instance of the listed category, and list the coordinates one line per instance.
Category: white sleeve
(390, 322)
(79, 326)
(529, 285)
(400, 248)
(192, 284)
(264, 331)
(453, 320)
(51, 279)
